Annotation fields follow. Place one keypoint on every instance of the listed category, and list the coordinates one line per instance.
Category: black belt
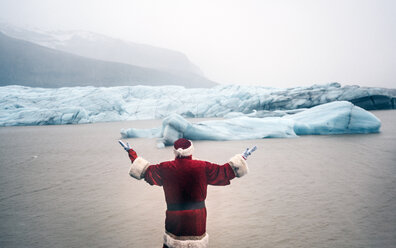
(186, 206)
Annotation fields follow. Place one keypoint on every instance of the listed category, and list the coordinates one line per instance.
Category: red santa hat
(183, 148)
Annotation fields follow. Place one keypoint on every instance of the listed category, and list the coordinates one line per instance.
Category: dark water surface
(67, 186)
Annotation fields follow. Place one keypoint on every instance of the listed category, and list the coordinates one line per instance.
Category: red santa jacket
(185, 181)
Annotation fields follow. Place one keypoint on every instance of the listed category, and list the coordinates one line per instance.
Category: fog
(273, 43)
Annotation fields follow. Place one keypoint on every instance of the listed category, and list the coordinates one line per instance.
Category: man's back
(186, 180)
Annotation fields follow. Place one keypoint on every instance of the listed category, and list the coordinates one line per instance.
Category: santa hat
(183, 148)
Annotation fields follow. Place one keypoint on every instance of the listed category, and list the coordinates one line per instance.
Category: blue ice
(75, 105)
(332, 118)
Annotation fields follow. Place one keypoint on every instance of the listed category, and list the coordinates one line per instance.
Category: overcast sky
(279, 43)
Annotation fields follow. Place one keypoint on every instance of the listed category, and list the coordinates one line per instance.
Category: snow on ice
(38, 106)
(331, 118)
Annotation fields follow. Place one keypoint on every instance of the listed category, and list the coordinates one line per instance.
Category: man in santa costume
(185, 181)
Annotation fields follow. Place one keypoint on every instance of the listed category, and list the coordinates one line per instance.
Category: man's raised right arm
(141, 168)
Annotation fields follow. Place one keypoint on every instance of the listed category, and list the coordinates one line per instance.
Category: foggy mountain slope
(106, 48)
(29, 64)
(101, 47)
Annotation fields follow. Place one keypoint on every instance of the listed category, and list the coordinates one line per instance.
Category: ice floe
(339, 117)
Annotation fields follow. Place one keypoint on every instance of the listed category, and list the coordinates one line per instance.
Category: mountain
(101, 47)
(29, 64)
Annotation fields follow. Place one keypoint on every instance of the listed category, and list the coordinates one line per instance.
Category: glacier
(21, 105)
(331, 118)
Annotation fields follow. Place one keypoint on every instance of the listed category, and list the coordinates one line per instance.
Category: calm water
(67, 186)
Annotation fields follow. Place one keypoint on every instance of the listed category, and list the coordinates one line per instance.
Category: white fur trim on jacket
(184, 152)
(138, 168)
(239, 165)
(176, 243)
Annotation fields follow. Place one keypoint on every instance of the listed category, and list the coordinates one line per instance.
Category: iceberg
(332, 118)
(75, 105)
(241, 128)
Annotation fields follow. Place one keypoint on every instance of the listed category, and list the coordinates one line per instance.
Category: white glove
(126, 147)
(248, 152)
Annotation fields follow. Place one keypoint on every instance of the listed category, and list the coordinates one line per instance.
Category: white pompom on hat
(183, 147)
